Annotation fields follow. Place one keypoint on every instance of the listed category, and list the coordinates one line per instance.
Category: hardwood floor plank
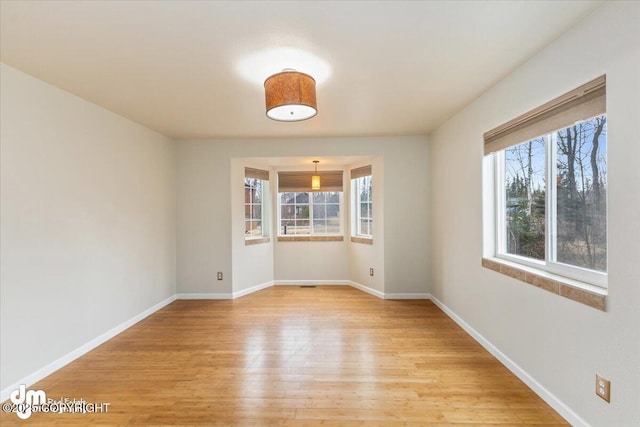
(286, 356)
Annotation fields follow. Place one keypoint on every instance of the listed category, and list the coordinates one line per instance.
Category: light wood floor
(330, 355)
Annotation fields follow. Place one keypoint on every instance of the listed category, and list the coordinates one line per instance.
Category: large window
(255, 190)
(306, 212)
(362, 206)
(551, 193)
(552, 199)
(310, 213)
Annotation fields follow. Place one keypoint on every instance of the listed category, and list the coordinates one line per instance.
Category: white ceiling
(175, 66)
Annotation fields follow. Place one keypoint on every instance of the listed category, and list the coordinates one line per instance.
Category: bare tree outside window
(582, 194)
(575, 161)
(525, 190)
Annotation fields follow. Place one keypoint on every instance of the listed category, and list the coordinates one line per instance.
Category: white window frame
(311, 233)
(549, 264)
(356, 208)
(264, 222)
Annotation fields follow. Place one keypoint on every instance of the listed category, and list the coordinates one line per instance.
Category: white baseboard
(253, 289)
(363, 288)
(233, 295)
(83, 349)
(204, 296)
(566, 412)
(310, 282)
(408, 296)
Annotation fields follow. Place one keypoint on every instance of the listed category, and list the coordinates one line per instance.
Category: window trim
(583, 293)
(309, 238)
(363, 240)
(256, 240)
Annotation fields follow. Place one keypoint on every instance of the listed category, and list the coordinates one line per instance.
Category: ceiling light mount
(290, 96)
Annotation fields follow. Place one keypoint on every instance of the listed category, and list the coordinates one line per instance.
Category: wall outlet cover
(603, 388)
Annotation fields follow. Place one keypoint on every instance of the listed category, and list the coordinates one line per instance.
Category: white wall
(560, 343)
(88, 222)
(205, 215)
(317, 261)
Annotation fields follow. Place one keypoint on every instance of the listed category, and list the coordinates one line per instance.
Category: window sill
(583, 293)
(256, 241)
(364, 240)
(310, 238)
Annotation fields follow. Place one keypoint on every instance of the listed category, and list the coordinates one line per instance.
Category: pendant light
(315, 179)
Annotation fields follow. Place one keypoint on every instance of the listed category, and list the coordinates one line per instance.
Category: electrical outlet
(603, 388)
(219, 275)
(371, 272)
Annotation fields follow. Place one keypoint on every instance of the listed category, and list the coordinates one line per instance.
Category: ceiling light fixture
(290, 96)
(315, 179)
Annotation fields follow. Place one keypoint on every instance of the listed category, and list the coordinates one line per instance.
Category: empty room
(374, 213)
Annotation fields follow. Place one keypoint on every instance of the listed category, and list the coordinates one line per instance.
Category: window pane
(364, 194)
(287, 198)
(257, 195)
(364, 227)
(319, 227)
(364, 185)
(302, 211)
(333, 197)
(257, 211)
(525, 199)
(364, 210)
(312, 212)
(319, 211)
(302, 227)
(253, 195)
(333, 226)
(287, 212)
(318, 197)
(253, 190)
(582, 194)
(252, 228)
(333, 211)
